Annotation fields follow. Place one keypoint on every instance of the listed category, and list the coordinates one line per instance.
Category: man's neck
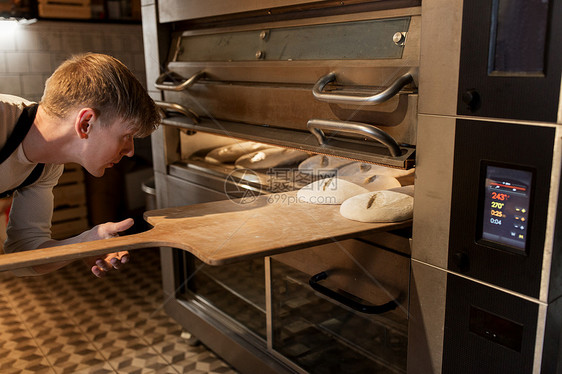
(48, 140)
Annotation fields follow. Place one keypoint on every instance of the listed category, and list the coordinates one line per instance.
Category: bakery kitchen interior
(319, 186)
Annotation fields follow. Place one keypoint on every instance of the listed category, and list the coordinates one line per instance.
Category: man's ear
(84, 121)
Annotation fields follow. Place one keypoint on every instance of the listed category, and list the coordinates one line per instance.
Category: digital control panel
(505, 207)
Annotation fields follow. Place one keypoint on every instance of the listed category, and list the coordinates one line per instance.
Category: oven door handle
(355, 305)
(378, 98)
(164, 85)
(315, 126)
(173, 107)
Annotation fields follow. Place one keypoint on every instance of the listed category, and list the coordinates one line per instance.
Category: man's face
(107, 145)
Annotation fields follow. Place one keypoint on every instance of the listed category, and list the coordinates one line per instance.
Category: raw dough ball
(322, 165)
(367, 170)
(408, 190)
(270, 158)
(232, 152)
(374, 182)
(379, 206)
(329, 191)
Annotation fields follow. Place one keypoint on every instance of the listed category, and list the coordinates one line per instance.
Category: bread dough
(322, 165)
(367, 170)
(408, 190)
(329, 191)
(270, 158)
(378, 206)
(232, 152)
(374, 182)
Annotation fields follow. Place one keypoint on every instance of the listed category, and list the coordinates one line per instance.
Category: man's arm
(98, 265)
(30, 223)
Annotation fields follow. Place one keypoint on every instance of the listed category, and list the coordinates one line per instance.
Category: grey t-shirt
(29, 225)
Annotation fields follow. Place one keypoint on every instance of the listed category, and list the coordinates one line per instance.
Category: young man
(91, 110)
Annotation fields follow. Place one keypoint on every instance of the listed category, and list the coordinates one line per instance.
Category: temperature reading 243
(506, 206)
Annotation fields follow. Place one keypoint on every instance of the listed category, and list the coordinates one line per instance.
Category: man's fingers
(97, 272)
(123, 225)
(115, 263)
(102, 265)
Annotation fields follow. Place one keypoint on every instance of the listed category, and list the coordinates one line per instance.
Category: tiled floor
(71, 322)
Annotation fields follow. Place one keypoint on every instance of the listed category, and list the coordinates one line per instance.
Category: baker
(91, 110)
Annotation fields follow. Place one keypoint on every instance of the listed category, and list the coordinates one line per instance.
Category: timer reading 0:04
(500, 196)
(495, 221)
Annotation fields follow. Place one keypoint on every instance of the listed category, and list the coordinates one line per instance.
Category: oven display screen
(507, 195)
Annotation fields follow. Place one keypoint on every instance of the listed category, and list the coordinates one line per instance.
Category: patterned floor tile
(140, 361)
(69, 321)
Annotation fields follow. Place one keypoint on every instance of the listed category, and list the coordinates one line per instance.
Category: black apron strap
(14, 140)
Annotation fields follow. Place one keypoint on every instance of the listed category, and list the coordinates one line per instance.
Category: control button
(472, 99)
(461, 260)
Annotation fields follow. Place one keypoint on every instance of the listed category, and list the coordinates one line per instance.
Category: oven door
(343, 85)
(342, 307)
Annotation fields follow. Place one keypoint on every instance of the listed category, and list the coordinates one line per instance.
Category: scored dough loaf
(329, 191)
(358, 168)
(408, 190)
(378, 206)
(374, 182)
(322, 164)
(232, 152)
(270, 158)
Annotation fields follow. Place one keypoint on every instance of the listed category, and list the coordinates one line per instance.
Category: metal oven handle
(173, 107)
(315, 126)
(161, 83)
(355, 305)
(379, 98)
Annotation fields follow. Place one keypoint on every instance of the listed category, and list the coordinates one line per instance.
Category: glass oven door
(365, 331)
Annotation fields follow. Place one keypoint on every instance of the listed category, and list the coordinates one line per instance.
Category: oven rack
(349, 148)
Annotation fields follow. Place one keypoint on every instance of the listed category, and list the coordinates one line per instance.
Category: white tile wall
(29, 54)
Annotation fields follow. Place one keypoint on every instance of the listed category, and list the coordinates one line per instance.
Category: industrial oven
(465, 93)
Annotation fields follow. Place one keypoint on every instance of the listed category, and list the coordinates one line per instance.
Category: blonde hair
(103, 83)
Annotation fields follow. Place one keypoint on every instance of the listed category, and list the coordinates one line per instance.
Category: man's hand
(100, 266)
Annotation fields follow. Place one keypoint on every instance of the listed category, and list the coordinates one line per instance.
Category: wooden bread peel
(220, 232)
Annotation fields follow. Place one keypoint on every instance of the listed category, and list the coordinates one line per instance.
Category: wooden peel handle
(69, 252)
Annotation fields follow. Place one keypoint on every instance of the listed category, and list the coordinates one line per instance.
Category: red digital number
(500, 196)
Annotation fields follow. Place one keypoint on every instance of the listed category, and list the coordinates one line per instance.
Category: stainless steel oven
(473, 284)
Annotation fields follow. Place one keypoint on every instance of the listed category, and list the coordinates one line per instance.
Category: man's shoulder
(10, 109)
(12, 100)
